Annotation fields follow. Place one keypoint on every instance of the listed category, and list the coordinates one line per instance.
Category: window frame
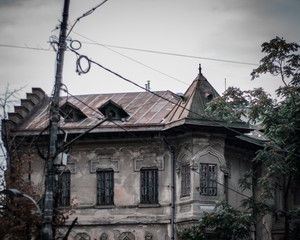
(105, 189)
(185, 180)
(149, 186)
(208, 179)
(64, 189)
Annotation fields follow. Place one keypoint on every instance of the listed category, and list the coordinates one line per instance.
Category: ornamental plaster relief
(208, 150)
(183, 158)
(149, 160)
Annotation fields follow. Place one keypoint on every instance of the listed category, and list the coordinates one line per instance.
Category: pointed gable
(193, 103)
(110, 109)
(71, 113)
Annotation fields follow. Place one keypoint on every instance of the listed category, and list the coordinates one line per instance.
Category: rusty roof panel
(143, 108)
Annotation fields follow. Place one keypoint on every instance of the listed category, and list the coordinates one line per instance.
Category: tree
(224, 223)
(6, 100)
(19, 218)
(280, 120)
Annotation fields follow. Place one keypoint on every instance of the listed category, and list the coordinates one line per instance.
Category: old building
(147, 172)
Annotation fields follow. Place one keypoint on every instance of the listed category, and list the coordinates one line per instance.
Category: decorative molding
(103, 236)
(148, 236)
(82, 236)
(210, 150)
(126, 236)
(184, 157)
(71, 167)
(105, 162)
(148, 160)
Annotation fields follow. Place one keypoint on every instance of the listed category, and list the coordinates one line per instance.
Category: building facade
(148, 171)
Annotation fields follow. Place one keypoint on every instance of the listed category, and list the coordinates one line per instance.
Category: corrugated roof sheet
(143, 108)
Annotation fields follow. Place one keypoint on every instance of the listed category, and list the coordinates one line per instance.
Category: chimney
(147, 86)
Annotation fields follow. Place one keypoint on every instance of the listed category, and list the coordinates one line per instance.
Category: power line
(169, 53)
(123, 55)
(84, 15)
(25, 47)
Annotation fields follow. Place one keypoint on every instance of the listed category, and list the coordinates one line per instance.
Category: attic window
(208, 96)
(70, 113)
(113, 111)
(112, 114)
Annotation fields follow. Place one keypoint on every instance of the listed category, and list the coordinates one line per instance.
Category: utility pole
(47, 232)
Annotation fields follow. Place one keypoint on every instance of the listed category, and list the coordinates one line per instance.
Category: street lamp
(17, 193)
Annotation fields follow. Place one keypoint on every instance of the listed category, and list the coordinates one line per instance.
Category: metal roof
(143, 108)
(143, 111)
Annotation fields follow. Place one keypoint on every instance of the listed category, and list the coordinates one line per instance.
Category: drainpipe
(172, 192)
(172, 185)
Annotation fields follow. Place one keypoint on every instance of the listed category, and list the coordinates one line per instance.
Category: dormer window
(70, 113)
(113, 111)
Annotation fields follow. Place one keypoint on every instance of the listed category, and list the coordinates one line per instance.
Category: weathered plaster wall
(127, 214)
(126, 158)
(239, 161)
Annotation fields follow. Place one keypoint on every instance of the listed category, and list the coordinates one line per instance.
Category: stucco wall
(126, 158)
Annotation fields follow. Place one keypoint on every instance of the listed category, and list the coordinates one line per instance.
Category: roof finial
(200, 69)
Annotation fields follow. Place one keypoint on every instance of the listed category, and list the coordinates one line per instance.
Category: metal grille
(64, 186)
(149, 186)
(105, 187)
(208, 179)
(185, 180)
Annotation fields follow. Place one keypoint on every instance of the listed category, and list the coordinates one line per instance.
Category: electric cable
(84, 15)
(24, 47)
(167, 53)
(134, 60)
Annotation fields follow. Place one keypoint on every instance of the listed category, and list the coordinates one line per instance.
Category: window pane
(185, 180)
(64, 186)
(105, 187)
(208, 179)
(149, 186)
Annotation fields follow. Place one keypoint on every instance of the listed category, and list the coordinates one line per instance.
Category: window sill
(185, 196)
(153, 205)
(104, 206)
(63, 207)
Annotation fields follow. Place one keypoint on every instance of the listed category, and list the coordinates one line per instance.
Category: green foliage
(235, 105)
(295, 222)
(224, 221)
(278, 161)
(280, 60)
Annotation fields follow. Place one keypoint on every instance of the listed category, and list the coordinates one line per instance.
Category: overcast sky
(231, 30)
